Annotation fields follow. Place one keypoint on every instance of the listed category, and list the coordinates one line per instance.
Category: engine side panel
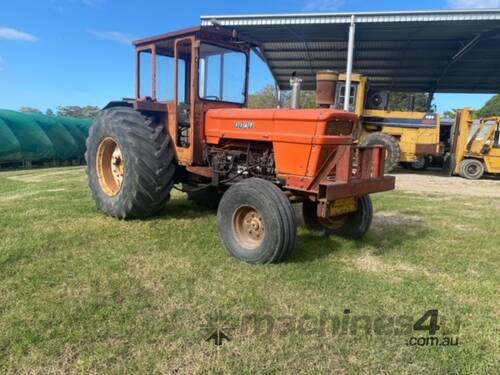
(295, 134)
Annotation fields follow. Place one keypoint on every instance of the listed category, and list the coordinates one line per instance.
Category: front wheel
(472, 169)
(257, 223)
(353, 225)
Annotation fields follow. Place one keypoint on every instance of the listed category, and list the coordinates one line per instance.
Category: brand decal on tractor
(243, 125)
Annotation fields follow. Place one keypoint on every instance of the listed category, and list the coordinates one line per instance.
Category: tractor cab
(357, 93)
(186, 73)
(362, 99)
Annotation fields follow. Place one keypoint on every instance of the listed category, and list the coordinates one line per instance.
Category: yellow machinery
(410, 137)
(476, 146)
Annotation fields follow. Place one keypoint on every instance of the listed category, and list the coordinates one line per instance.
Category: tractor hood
(283, 114)
(304, 126)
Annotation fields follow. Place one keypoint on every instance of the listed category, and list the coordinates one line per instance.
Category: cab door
(181, 109)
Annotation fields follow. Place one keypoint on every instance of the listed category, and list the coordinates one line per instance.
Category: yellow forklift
(411, 138)
(475, 146)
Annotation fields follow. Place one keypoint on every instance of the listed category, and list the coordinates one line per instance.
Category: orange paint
(299, 136)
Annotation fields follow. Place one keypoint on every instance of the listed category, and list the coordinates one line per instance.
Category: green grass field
(84, 293)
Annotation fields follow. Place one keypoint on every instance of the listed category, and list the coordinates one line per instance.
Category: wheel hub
(110, 166)
(248, 226)
(117, 165)
(472, 169)
(334, 222)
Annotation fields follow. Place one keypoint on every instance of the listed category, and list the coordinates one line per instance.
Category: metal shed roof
(430, 51)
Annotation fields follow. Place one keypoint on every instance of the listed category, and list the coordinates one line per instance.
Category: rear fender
(119, 103)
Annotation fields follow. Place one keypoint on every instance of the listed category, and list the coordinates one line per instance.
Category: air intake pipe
(326, 85)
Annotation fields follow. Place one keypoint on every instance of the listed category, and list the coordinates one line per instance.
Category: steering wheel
(211, 97)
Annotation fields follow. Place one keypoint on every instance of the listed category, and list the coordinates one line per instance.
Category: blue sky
(64, 52)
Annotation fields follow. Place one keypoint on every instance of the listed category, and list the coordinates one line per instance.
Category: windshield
(222, 74)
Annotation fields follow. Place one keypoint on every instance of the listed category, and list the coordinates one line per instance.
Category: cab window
(485, 130)
(341, 96)
(165, 79)
(145, 74)
(222, 74)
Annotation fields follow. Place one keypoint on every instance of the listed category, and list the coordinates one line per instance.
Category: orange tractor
(188, 126)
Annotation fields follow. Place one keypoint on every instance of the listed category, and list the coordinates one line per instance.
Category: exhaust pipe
(295, 82)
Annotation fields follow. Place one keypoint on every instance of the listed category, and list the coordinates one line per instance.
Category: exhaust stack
(326, 85)
(295, 82)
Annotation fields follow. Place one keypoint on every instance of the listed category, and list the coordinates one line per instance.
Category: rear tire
(393, 151)
(130, 164)
(471, 169)
(353, 225)
(257, 223)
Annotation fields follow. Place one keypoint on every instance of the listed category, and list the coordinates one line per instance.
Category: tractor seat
(183, 115)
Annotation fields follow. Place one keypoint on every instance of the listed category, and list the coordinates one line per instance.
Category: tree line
(398, 101)
(67, 111)
(266, 98)
(490, 109)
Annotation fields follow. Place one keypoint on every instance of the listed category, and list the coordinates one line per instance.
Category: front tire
(130, 164)
(353, 225)
(471, 169)
(257, 223)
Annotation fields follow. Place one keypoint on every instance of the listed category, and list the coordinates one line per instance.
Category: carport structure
(424, 51)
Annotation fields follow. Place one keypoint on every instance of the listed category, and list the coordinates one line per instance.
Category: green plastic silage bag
(79, 136)
(65, 145)
(79, 128)
(85, 125)
(35, 145)
(10, 149)
(81, 124)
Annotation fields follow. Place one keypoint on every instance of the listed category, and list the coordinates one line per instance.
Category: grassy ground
(84, 293)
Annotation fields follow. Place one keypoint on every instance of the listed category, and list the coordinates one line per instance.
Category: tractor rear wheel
(130, 164)
(257, 223)
(472, 169)
(392, 149)
(352, 225)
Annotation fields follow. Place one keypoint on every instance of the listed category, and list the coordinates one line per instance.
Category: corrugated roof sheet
(413, 51)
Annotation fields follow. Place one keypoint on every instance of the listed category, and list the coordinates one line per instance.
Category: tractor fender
(118, 103)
